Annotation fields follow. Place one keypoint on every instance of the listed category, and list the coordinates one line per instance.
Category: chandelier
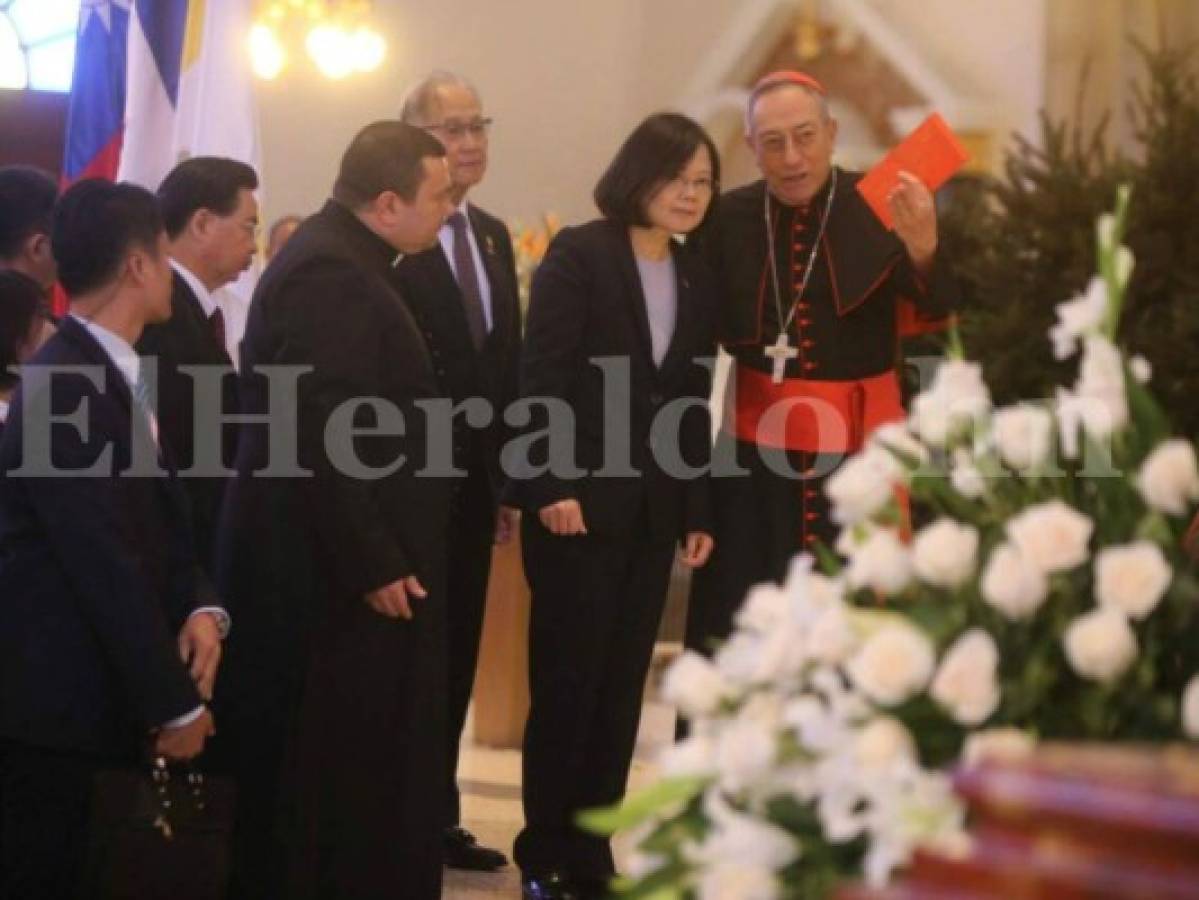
(335, 34)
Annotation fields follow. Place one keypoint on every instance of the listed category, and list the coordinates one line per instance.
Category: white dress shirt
(446, 236)
(3, 411)
(129, 364)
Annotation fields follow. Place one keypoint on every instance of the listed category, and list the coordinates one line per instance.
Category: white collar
(207, 301)
(3, 411)
(123, 356)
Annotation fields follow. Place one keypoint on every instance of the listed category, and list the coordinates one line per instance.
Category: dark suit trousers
(597, 603)
(45, 798)
(471, 535)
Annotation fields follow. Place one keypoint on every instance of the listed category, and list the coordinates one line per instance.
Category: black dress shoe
(547, 886)
(462, 851)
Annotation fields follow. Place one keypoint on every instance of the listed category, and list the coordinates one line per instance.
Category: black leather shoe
(462, 851)
(547, 886)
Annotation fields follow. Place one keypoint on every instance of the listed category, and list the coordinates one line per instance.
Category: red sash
(811, 416)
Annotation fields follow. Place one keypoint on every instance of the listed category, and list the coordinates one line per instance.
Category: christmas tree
(1025, 242)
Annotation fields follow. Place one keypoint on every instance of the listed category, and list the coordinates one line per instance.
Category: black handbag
(162, 834)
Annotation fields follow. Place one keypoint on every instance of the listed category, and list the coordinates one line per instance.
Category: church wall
(567, 80)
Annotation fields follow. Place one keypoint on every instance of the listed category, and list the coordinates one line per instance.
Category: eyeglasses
(699, 185)
(456, 131)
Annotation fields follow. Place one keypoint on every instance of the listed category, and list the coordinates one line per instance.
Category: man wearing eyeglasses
(463, 294)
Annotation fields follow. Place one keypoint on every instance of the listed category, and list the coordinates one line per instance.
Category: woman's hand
(563, 518)
(696, 549)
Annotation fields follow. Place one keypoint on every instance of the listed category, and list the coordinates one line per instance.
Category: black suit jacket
(587, 302)
(427, 283)
(187, 339)
(97, 573)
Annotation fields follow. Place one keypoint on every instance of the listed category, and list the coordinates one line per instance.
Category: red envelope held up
(932, 153)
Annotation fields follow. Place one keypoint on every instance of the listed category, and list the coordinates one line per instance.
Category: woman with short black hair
(621, 331)
(20, 330)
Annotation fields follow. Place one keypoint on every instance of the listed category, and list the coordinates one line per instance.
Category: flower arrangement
(529, 242)
(1048, 596)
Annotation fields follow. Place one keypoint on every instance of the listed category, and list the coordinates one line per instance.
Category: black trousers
(45, 800)
(471, 536)
(596, 606)
(762, 520)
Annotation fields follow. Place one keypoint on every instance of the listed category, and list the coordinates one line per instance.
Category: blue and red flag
(96, 120)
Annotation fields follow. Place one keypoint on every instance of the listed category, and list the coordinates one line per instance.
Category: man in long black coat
(333, 704)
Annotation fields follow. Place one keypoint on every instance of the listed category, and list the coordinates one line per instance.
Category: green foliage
(1025, 242)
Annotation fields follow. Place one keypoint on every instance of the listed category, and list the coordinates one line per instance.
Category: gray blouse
(661, 301)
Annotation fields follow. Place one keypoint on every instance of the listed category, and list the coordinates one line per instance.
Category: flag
(156, 82)
(190, 87)
(96, 115)
(191, 94)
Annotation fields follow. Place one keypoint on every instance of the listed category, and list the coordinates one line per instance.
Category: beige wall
(555, 75)
(567, 79)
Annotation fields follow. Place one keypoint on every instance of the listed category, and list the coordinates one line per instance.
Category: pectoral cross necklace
(781, 350)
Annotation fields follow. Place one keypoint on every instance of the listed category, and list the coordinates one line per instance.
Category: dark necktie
(217, 322)
(468, 281)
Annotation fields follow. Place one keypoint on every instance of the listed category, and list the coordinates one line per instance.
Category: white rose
(814, 723)
(966, 477)
(737, 658)
(880, 562)
(1013, 585)
(812, 594)
(694, 685)
(695, 755)
(766, 607)
(1132, 579)
(883, 741)
(737, 881)
(1052, 536)
(1023, 436)
(747, 745)
(966, 683)
(944, 553)
(1169, 478)
(1190, 709)
(1100, 645)
(1079, 317)
(863, 485)
(894, 664)
(1002, 745)
(831, 639)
